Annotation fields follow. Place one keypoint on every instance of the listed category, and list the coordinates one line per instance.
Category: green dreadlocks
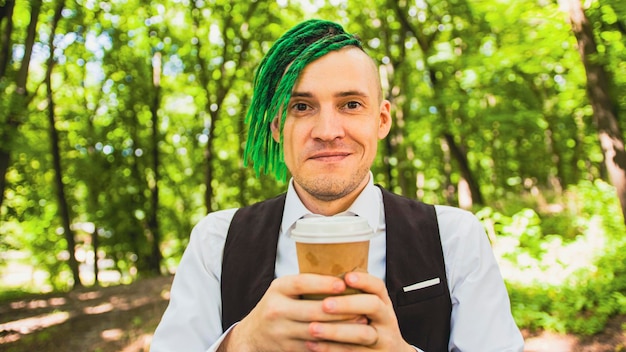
(274, 81)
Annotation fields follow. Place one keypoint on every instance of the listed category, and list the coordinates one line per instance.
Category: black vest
(414, 255)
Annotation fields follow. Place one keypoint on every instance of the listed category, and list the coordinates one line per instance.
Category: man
(433, 283)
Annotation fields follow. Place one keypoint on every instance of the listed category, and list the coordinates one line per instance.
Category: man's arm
(192, 320)
(481, 313)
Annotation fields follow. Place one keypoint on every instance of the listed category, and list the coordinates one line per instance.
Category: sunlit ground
(18, 273)
(117, 318)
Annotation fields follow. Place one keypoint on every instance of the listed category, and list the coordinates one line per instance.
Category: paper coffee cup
(332, 246)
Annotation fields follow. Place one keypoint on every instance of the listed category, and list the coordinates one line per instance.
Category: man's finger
(296, 285)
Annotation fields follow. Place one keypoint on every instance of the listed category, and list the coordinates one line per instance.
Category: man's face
(334, 120)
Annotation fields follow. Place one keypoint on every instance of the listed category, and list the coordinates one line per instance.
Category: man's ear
(275, 127)
(384, 124)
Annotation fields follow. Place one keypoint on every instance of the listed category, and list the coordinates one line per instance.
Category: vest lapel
(249, 257)
(415, 259)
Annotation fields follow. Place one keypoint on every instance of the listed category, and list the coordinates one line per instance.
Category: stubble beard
(329, 188)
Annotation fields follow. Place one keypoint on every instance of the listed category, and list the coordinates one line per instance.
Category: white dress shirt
(481, 318)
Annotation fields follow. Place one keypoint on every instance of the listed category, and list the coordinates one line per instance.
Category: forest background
(122, 125)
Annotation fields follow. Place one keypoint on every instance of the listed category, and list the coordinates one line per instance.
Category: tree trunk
(241, 127)
(56, 157)
(448, 186)
(154, 262)
(5, 160)
(19, 99)
(203, 77)
(92, 179)
(466, 172)
(95, 242)
(138, 179)
(6, 13)
(208, 164)
(604, 108)
(559, 178)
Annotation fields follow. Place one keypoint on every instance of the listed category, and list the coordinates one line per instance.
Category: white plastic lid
(333, 229)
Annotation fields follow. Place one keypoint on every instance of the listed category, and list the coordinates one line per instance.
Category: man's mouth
(329, 156)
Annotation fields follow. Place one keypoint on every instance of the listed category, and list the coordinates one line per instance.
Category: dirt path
(122, 318)
(612, 339)
(117, 318)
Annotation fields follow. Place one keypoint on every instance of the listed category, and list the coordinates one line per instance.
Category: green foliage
(570, 283)
(488, 90)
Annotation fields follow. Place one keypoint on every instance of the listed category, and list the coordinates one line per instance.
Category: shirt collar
(366, 205)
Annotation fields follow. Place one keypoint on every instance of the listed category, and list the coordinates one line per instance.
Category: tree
(56, 154)
(439, 77)
(17, 97)
(153, 219)
(605, 111)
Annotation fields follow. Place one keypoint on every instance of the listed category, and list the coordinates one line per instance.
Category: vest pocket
(421, 291)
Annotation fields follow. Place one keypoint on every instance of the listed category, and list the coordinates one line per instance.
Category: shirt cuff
(219, 341)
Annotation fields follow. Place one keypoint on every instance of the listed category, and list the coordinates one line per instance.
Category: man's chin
(326, 187)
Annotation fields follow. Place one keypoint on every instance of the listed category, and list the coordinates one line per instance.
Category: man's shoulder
(455, 212)
(266, 202)
(401, 198)
(217, 216)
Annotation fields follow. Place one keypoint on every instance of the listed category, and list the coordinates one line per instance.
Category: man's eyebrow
(351, 93)
(347, 93)
(296, 94)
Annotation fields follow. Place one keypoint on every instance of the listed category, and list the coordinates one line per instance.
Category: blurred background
(122, 123)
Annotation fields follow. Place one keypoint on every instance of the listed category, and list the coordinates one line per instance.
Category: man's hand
(382, 333)
(281, 321)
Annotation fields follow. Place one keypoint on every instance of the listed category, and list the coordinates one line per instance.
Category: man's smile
(329, 156)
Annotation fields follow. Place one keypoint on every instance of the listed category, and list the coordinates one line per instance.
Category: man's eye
(353, 105)
(300, 106)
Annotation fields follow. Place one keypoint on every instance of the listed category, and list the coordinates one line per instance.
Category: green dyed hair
(274, 81)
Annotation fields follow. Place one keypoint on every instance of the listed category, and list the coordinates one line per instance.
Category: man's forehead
(343, 73)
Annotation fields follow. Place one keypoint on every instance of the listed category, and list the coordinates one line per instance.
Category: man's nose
(328, 125)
